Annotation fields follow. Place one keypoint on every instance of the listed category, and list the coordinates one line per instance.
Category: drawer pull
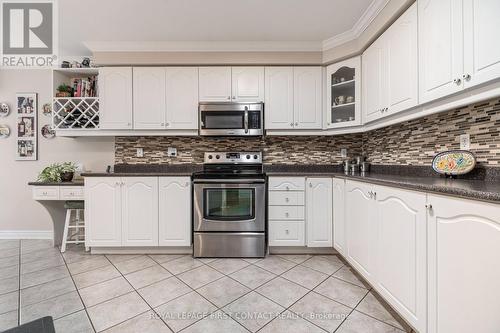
(44, 193)
(286, 214)
(287, 188)
(287, 231)
(287, 199)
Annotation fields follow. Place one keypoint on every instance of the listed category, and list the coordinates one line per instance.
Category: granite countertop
(72, 183)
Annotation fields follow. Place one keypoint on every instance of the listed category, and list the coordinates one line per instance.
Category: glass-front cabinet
(344, 93)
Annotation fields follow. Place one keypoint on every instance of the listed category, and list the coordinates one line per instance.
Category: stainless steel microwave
(231, 119)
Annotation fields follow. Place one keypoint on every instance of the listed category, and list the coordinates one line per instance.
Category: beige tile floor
(176, 293)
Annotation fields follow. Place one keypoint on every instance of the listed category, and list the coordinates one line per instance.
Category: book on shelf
(84, 87)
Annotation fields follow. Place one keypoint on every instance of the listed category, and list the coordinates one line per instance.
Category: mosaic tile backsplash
(410, 143)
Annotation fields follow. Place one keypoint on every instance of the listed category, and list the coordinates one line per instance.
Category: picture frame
(27, 127)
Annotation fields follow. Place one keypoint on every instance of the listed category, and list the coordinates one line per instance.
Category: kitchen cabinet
(307, 97)
(458, 45)
(390, 69)
(339, 227)
(361, 228)
(279, 98)
(115, 97)
(175, 211)
(463, 246)
(139, 211)
(343, 93)
(181, 98)
(215, 84)
(247, 84)
(149, 97)
(400, 275)
(103, 211)
(319, 217)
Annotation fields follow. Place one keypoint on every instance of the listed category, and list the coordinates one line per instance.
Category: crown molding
(364, 21)
(204, 46)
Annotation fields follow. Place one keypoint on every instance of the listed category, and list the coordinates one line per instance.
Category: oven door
(229, 206)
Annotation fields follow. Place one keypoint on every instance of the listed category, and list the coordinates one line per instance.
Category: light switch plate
(343, 152)
(171, 152)
(140, 152)
(465, 141)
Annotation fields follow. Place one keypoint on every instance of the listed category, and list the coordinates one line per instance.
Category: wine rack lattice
(75, 112)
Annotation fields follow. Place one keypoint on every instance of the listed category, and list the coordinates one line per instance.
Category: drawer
(287, 183)
(46, 192)
(283, 233)
(71, 193)
(286, 198)
(286, 212)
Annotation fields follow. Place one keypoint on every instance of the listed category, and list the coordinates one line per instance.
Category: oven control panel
(233, 158)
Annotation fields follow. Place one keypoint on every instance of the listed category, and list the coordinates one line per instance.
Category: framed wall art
(27, 135)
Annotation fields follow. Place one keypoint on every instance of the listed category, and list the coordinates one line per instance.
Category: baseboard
(301, 250)
(26, 234)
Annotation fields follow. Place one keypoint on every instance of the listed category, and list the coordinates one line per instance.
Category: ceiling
(133, 24)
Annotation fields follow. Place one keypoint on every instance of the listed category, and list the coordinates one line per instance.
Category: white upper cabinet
(401, 41)
(139, 211)
(307, 97)
(319, 218)
(279, 98)
(481, 43)
(175, 211)
(248, 84)
(215, 84)
(343, 93)
(339, 227)
(440, 38)
(149, 97)
(464, 270)
(103, 211)
(390, 69)
(181, 97)
(401, 252)
(115, 97)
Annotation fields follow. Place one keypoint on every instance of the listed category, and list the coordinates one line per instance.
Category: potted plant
(57, 172)
(64, 91)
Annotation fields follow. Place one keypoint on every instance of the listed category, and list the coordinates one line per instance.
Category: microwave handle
(246, 119)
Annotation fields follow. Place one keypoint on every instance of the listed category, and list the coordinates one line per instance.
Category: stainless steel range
(229, 206)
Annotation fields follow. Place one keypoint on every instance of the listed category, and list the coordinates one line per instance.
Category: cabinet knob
(287, 231)
(466, 77)
(296, 124)
(228, 97)
(287, 214)
(428, 206)
(234, 97)
(457, 81)
(287, 188)
(291, 124)
(310, 185)
(287, 199)
(167, 124)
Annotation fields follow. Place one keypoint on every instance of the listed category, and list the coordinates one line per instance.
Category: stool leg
(77, 226)
(65, 234)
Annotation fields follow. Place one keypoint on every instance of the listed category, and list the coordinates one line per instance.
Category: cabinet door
(182, 97)
(215, 84)
(307, 97)
(115, 97)
(175, 211)
(140, 211)
(464, 270)
(319, 218)
(401, 252)
(402, 63)
(149, 98)
(481, 46)
(339, 228)
(103, 215)
(361, 228)
(279, 98)
(374, 82)
(440, 44)
(248, 84)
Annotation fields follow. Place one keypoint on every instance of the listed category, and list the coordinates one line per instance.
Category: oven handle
(246, 119)
(232, 181)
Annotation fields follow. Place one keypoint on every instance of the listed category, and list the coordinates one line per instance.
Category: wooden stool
(77, 223)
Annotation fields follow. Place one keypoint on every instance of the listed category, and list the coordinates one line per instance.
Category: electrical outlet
(465, 141)
(171, 152)
(343, 152)
(139, 152)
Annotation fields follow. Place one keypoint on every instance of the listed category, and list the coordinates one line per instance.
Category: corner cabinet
(137, 211)
(115, 95)
(339, 227)
(464, 247)
(343, 93)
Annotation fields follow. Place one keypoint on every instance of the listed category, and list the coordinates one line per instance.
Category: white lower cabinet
(137, 211)
(319, 212)
(175, 211)
(339, 227)
(464, 270)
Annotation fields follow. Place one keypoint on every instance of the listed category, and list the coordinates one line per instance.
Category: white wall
(18, 211)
